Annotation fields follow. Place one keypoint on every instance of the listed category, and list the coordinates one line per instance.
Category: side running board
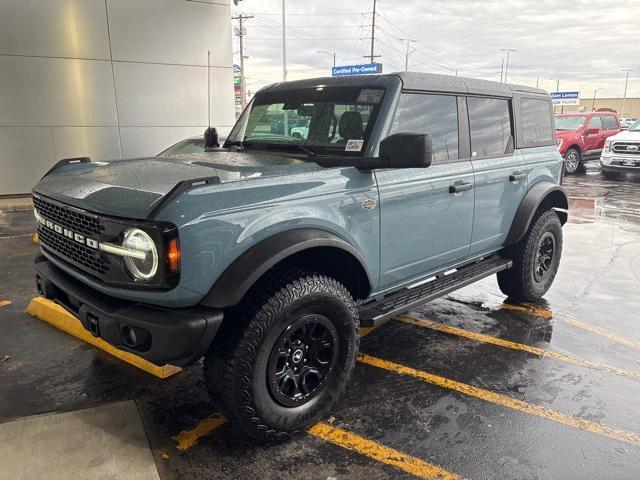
(375, 312)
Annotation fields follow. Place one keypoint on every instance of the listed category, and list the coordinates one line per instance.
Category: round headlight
(141, 268)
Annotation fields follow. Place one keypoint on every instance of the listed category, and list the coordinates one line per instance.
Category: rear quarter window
(536, 122)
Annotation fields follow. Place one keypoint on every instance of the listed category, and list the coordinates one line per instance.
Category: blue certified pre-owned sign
(366, 69)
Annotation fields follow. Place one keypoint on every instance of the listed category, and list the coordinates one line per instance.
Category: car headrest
(350, 125)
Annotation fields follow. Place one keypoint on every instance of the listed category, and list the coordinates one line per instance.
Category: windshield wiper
(308, 151)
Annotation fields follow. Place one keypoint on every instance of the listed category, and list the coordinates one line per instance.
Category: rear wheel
(536, 258)
(287, 358)
(572, 159)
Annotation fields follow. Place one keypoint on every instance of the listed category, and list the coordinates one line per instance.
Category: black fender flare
(552, 195)
(236, 280)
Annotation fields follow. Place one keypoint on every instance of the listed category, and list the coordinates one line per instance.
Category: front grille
(76, 221)
(622, 147)
(66, 248)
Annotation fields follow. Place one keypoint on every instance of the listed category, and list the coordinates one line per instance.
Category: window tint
(490, 123)
(436, 115)
(609, 122)
(595, 122)
(536, 121)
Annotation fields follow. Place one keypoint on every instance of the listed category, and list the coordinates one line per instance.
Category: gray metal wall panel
(56, 92)
(170, 31)
(54, 28)
(222, 98)
(28, 152)
(147, 141)
(166, 95)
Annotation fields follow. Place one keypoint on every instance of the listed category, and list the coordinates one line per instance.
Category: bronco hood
(131, 188)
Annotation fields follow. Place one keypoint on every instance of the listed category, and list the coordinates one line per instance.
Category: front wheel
(572, 161)
(536, 258)
(288, 357)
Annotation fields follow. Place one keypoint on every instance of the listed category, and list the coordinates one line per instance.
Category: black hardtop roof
(431, 82)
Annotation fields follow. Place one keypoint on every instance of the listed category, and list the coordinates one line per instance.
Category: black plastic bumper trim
(178, 336)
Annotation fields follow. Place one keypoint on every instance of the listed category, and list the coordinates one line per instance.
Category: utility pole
(373, 29)
(407, 52)
(506, 68)
(240, 33)
(557, 89)
(501, 69)
(284, 44)
(371, 55)
(537, 82)
(626, 82)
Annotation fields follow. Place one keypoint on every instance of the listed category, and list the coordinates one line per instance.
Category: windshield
(318, 120)
(635, 127)
(569, 123)
(190, 145)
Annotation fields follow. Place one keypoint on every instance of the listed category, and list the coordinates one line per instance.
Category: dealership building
(108, 79)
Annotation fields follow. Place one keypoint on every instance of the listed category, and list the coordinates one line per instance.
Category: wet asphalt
(551, 429)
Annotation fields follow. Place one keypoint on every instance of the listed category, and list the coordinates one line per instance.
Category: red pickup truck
(581, 135)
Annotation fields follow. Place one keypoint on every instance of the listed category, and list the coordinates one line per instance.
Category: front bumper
(160, 335)
(619, 166)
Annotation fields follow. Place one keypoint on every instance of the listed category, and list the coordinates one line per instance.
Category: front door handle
(514, 177)
(461, 187)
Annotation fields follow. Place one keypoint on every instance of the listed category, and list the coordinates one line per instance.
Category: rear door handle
(461, 187)
(514, 177)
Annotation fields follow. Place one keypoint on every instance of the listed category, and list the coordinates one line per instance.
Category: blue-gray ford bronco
(334, 203)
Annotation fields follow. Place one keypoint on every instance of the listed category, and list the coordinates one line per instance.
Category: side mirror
(211, 138)
(406, 150)
(593, 131)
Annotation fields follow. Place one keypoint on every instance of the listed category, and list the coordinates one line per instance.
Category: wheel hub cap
(544, 256)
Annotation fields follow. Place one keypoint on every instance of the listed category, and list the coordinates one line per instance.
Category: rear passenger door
(609, 127)
(426, 214)
(500, 171)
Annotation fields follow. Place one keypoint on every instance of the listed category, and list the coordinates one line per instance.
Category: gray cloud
(584, 43)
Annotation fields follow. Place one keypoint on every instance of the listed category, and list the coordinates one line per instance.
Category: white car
(621, 153)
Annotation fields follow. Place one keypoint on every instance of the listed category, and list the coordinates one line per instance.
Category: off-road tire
(236, 365)
(572, 161)
(610, 175)
(519, 282)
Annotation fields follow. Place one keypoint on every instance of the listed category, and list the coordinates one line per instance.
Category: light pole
(408, 52)
(626, 82)
(333, 54)
(557, 89)
(506, 67)
(284, 44)
(593, 103)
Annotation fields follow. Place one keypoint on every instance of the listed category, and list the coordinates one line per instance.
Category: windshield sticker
(369, 95)
(354, 145)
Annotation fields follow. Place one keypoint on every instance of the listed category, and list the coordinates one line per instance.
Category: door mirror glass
(406, 150)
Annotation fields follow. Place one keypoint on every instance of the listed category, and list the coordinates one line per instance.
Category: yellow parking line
(4, 303)
(528, 308)
(479, 337)
(188, 438)
(505, 401)
(601, 331)
(376, 451)
(60, 318)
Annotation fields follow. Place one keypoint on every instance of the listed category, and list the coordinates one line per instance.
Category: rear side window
(609, 122)
(490, 126)
(436, 115)
(536, 121)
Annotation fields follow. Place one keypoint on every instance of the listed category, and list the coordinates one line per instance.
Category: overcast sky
(584, 43)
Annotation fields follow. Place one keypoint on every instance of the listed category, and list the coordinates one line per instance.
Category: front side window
(609, 122)
(335, 120)
(536, 121)
(436, 115)
(490, 126)
(595, 122)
